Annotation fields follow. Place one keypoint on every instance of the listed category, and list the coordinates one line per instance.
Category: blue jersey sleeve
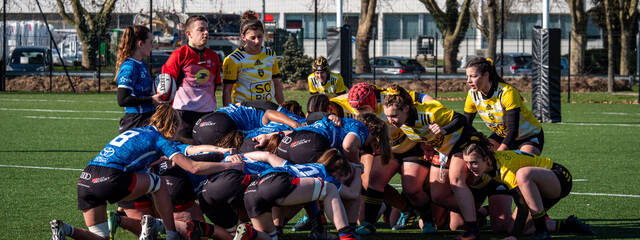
(356, 127)
(166, 147)
(246, 118)
(127, 75)
(292, 115)
(182, 148)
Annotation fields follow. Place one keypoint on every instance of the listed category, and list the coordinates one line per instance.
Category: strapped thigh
(319, 189)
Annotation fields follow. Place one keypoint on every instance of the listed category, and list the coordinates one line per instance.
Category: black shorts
(413, 155)
(207, 157)
(186, 122)
(98, 185)
(180, 188)
(261, 194)
(535, 140)
(143, 202)
(248, 145)
(566, 183)
(487, 187)
(302, 147)
(261, 104)
(133, 120)
(223, 193)
(210, 128)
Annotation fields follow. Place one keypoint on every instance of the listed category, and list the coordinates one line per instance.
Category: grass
(596, 142)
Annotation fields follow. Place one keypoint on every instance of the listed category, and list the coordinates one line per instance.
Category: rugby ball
(166, 86)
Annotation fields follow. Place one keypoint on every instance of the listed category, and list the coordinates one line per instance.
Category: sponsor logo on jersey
(261, 72)
(100, 179)
(300, 142)
(286, 140)
(258, 62)
(107, 152)
(202, 76)
(206, 124)
(100, 159)
(85, 175)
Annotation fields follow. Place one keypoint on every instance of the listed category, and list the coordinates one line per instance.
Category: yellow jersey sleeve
(509, 162)
(276, 69)
(340, 86)
(349, 112)
(229, 69)
(310, 79)
(510, 99)
(469, 105)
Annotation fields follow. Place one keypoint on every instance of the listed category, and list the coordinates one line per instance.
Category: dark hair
(398, 97)
(336, 109)
(318, 103)
(334, 163)
(379, 130)
(128, 41)
(484, 65)
(294, 107)
(249, 21)
(194, 19)
(479, 144)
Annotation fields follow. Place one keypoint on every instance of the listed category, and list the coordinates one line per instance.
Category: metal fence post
(569, 73)
(435, 61)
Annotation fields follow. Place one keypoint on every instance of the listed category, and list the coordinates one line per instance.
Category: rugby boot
(244, 231)
(467, 236)
(407, 219)
(545, 235)
(302, 224)
(365, 229)
(57, 230)
(147, 232)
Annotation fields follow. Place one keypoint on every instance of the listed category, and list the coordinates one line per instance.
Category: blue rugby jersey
(246, 118)
(336, 135)
(274, 126)
(133, 75)
(313, 170)
(135, 149)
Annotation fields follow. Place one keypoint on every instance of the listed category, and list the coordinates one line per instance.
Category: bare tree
(453, 23)
(609, 8)
(579, 19)
(363, 37)
(489, 32)
(91, 27)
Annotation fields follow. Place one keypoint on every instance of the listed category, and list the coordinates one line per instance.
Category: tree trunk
(578, 38)
(450, 53)
(610, 44)
(492, 18)
(88, 55)
(363, 37)
(625, 49)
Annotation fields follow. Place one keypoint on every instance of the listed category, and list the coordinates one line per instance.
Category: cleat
(147, 223)
(57, 230)
(113, 222)
(349, 237)
(541, 236)
(575, 225)
(321, 235)
(466, 236)
(244, 232)
(406, 220)
(365, 229)
(303, 224)
(428, 228)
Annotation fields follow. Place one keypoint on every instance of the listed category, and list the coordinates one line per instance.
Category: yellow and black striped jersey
(332, 87)
(427, 113)
(492, 111)
(508, 163)
(251, 75)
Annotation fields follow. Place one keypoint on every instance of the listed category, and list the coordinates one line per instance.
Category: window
(410, 26)
(392, 26)
(429, 26)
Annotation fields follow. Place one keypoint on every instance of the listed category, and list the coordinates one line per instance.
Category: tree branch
(63, 12)
(434, 9)
(464, 11)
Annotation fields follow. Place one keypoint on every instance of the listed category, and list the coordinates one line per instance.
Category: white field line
(395, 185)
(616, 113)
(72, 118)
(47, 100)
(57, 110)
(602, 124)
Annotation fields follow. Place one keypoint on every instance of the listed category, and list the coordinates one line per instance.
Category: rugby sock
(205, 229)
(425, 212)
(372, 203)
(540, 221)
(472, 227)
(316, 222)
(173, 235)
(68, 229)
(273, 235)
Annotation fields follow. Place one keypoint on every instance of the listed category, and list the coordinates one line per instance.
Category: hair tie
(490, 61)
(392, 91)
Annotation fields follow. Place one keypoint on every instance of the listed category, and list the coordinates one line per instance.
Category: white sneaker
(147, 223)
(57, 230)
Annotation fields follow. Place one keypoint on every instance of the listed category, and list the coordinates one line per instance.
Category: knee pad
(154, 182)
(101, 230)
(319, 189)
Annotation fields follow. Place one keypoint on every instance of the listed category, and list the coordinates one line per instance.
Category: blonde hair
(128, 42)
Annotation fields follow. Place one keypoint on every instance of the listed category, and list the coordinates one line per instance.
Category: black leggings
(302, 147)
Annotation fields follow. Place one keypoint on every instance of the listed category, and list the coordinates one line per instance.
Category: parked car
(158, 58)
(529, 67)
(514, 63)
(396, 65)
(30, 59)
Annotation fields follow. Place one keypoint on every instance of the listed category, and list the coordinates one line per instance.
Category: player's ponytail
(232, 139)
(334, 163)
(379, 130)
(164, 120)
(273, 143)
(128, 42)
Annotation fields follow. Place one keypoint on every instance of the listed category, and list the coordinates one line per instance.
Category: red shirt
(197, 76)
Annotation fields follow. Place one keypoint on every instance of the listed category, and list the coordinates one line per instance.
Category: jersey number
(122, 138)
